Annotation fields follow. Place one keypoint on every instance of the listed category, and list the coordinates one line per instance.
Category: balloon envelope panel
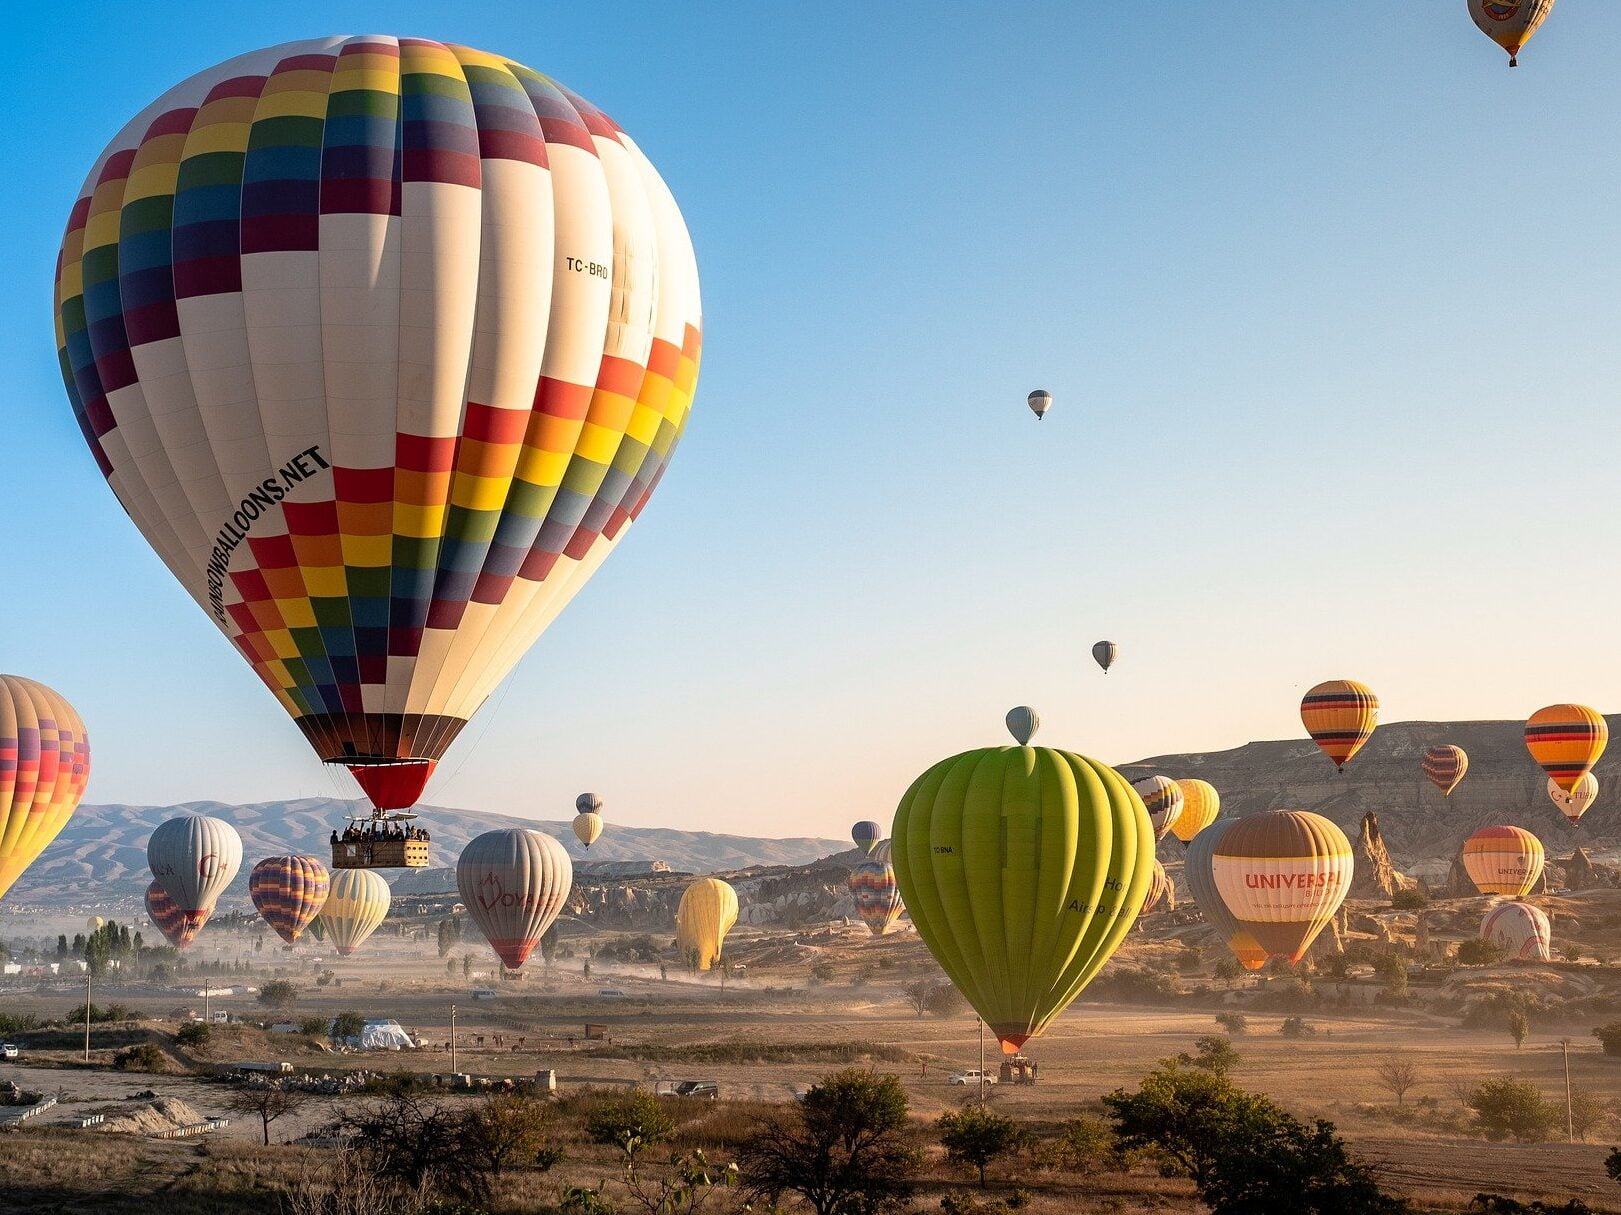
(382, 343)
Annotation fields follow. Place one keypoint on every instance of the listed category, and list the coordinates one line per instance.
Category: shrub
(1513, 1109)
(1296, 1027)
(314, 1027)
(974, 1137)
(1084, 1145)
(631, 1123)
(278, 994)
(1215, 1054)
(142, 1057)
(194, 1033)
(1234, 1023)
(1478, 951)
(347, 1025)
(1409, 900)
(1610, 1037)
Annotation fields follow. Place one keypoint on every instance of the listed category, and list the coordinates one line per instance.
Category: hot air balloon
(382, 343)
(1567, 741)
(1575, 804)
(1340, 716)
(1104, 653)
(1282, 875)
(95, 923)
(1022, 723)
(588, 819)
(1503, 860)
(1201, 805)
(1199, 873)
(177, 927)
(194, 858)
(1444, 765)
(1520, 930)
(1022, 868)
(877, 895)
(1040, 401)
(514, 883)
(1162, 797)
(1510, 23)
(356, 904)
(866, 835)
(44, 767)
(706, 914)
(288, 892)
(1158, 889)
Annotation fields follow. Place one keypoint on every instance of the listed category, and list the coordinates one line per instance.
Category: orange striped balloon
(1445, 766)
(1567, 741)
(1159, 886)
(1283, 875)
(1340, 716)
(1503, 860)
(1200, 806)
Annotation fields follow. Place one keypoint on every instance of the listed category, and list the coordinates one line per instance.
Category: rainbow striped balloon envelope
(288, 891)
(44, 768)
(383, 344)
(1444, 766)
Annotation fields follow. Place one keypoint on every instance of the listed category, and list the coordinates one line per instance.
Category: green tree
(1234, 1023)
(1609, 1037)
(506, 1130)
(974, 1137)
(194, 1033)
(843, 1149)
(1215, 1054)
(61, 945)
(266, 1104)
(631, 1123)
(1478, 951)
(1588, 1113)
(1513, 1109)
(280, 994)
(1228, 969)
(1085, 1145)
(1187, 1114)
(347, 1025)
(1519, 1025)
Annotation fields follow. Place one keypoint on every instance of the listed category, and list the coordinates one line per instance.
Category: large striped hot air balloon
(1520, 930)
(382, 343)
(194, 857)
(288, 892)
(1567, 741)
(1199, 873)
(357, 902)
(1510, 23)
(178, 928)
(1444, 765)
(1159, 889)
(1023, 868)
(706, 913)
(1162, 798)
(514, 883)
(1577, 802)
(865, 835)
(877, 894)
(1503, 860)
(44, 767)
(1201, 805)
(1282, 875)
(1340, 715)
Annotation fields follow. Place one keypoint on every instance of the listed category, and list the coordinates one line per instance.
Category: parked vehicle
(8, 1050)
(687, 1088)
(972, 1076)
(611, 993)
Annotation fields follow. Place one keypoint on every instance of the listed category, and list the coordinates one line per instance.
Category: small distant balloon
(1340, 715)
(1022, 723)
(1282, 874)
(1576, 803)
(1104, 653)
(866, 834)
(876, 893)
(1201, 805)
(288, 892)
(194, 857)
(1503, 860)
(1444, 765)
(1567, 741)
(1159, 887)
(1510, 23)
(1162, 798)
(514, 883)
(587, 828)
(706, 913)
(1040, 402)
(588, 803)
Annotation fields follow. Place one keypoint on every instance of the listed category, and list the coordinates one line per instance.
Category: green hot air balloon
(1023, 869)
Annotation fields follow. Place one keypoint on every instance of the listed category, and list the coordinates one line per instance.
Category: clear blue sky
(1327, 297)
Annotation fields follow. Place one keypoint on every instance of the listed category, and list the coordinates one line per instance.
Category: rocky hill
(100, 857)
(1421, 829)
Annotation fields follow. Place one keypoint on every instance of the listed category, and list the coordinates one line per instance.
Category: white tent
(382, 1035)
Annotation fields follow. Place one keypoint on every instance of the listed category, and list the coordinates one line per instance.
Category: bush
(1409, 900)
(313, 1027)
(1610, 1037)
(1296, 1027)
(974, 1137)
(347, 1025)
(1477, 951)
(1084, 1145)
(194, 1033)
(278, 994)
(1234, 1023)
(1513, 1109)
(631, 1123)
(1215, 1054)
(142, 1057)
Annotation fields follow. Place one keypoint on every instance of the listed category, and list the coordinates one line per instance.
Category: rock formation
(1375, 876)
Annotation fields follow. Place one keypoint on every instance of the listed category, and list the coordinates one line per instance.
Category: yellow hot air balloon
(1023, 868)
(1577, 802)
(44, 767)
(1510, 23)
(1201, 805)
(707, 912)
(355, 905)
(1503, 860)
(1283, 875)
(95, 923)
(1340, 716)
(1567, 741)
